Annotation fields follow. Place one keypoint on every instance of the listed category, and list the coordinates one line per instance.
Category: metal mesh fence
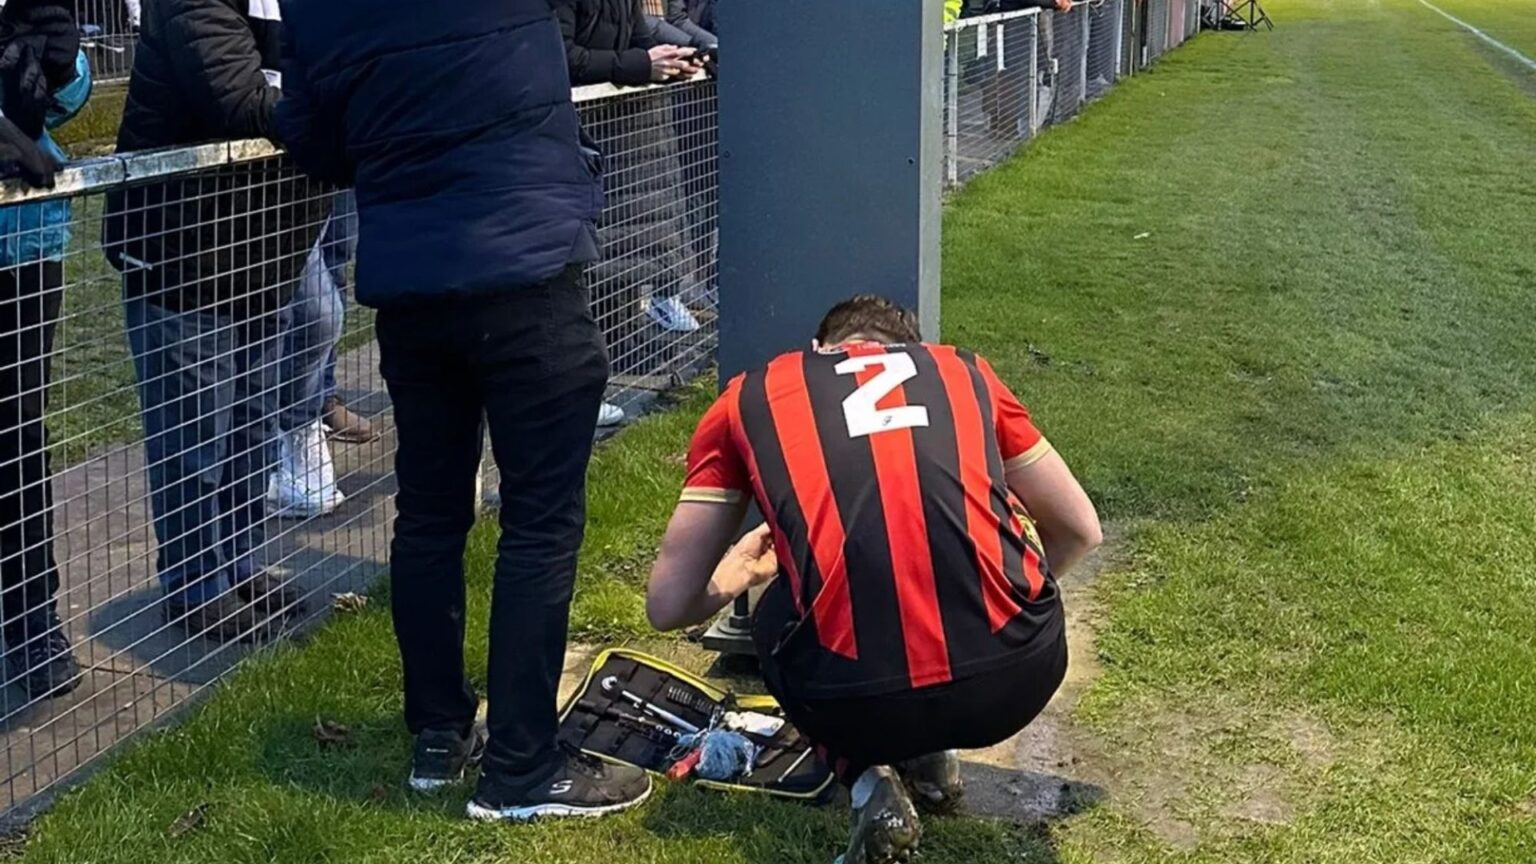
(196, 452)
(1157, 29)
(146, 421)
(1104, 49)
(1008, 75)
(991, 91)
(109, 30)
(1064, 40)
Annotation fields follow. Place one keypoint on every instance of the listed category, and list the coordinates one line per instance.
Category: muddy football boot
(885, 829)
(934, 781)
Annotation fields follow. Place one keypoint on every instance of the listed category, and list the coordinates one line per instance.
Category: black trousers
(30, 299)
(530, 363)
(854, 734)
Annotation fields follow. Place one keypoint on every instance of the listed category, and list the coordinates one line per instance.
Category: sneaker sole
(536, 812)
(433, 784)
(305, 511)
(430, 784)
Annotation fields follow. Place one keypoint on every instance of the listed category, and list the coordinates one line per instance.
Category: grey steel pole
(831, 166)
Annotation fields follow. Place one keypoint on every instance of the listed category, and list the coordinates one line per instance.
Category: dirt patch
(1053, 767)
(1186, 775)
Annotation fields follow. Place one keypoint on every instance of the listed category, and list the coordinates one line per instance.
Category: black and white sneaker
(442, 757)
(582, 786)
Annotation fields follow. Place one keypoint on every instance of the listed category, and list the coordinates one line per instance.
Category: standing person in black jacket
(677, 27)
(208, 260)
(645, 231)
(476, 204)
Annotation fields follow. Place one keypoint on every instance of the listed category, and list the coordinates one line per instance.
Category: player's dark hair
(871, 315)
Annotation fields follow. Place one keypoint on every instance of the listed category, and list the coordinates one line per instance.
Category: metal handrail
(106, 172)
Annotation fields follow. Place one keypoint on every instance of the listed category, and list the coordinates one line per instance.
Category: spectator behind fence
(1005, 89)
(304, 484)
(40, 44)
(208, 262)
(644, 234)
(677, 27)
(477, 205)
(700, 12)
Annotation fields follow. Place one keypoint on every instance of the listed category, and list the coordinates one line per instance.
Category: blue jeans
(312, 322)
(208, 392)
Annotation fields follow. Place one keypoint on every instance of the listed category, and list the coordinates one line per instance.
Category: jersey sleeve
(717, 473)
(1022, 444)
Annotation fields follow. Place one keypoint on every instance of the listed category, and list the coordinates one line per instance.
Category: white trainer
(671, 315)
(304, 484)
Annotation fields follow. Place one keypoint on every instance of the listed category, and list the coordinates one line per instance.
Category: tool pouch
(604, 720)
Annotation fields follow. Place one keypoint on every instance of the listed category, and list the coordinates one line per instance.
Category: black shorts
(853, 734)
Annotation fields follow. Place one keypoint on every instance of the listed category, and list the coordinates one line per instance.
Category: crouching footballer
(916, 522)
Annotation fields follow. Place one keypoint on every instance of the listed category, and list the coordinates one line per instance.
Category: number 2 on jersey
(860, 410)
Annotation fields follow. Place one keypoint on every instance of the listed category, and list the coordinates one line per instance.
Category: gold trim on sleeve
(1028, 457)
(703, 495)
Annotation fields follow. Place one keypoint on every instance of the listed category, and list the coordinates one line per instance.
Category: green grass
(1308, 391)
(94, 130)
(1512, 22)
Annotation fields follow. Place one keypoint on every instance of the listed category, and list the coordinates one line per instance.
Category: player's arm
(690, 581)
(695, 576)
(1065, 517)
(1068, 524)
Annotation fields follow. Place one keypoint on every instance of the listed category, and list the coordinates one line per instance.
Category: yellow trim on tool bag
(746, 703)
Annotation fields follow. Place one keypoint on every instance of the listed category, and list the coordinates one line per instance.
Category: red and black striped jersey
(880, 469)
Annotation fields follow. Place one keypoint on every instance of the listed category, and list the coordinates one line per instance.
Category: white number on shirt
(859, 408)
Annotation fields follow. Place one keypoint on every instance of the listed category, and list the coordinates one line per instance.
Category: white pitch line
(1519, 58)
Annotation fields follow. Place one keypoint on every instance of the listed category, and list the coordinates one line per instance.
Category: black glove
(49, 28)
(20, 156)
(24, 93)
(712, 63)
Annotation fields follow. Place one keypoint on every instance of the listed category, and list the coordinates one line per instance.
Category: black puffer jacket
(606, 41)
(232, 239)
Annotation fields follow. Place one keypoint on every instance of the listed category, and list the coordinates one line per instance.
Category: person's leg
(542, 370)
(304, 484)
(186, 389)
(542, 374)
(37, 651)
(437, 419)
(312, 323)
(913, 726)
(249, 461)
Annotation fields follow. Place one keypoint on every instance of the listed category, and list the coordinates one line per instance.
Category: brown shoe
(270, 596)
(225, 618)
(344, 424)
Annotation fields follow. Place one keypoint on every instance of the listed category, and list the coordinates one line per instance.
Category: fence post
(1082, 78)
(952, 108)
(831, 166)
(1035, 121)
(1120, 41)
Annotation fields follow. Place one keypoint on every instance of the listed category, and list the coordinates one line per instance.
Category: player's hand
(1064, 5)
(753, 558)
